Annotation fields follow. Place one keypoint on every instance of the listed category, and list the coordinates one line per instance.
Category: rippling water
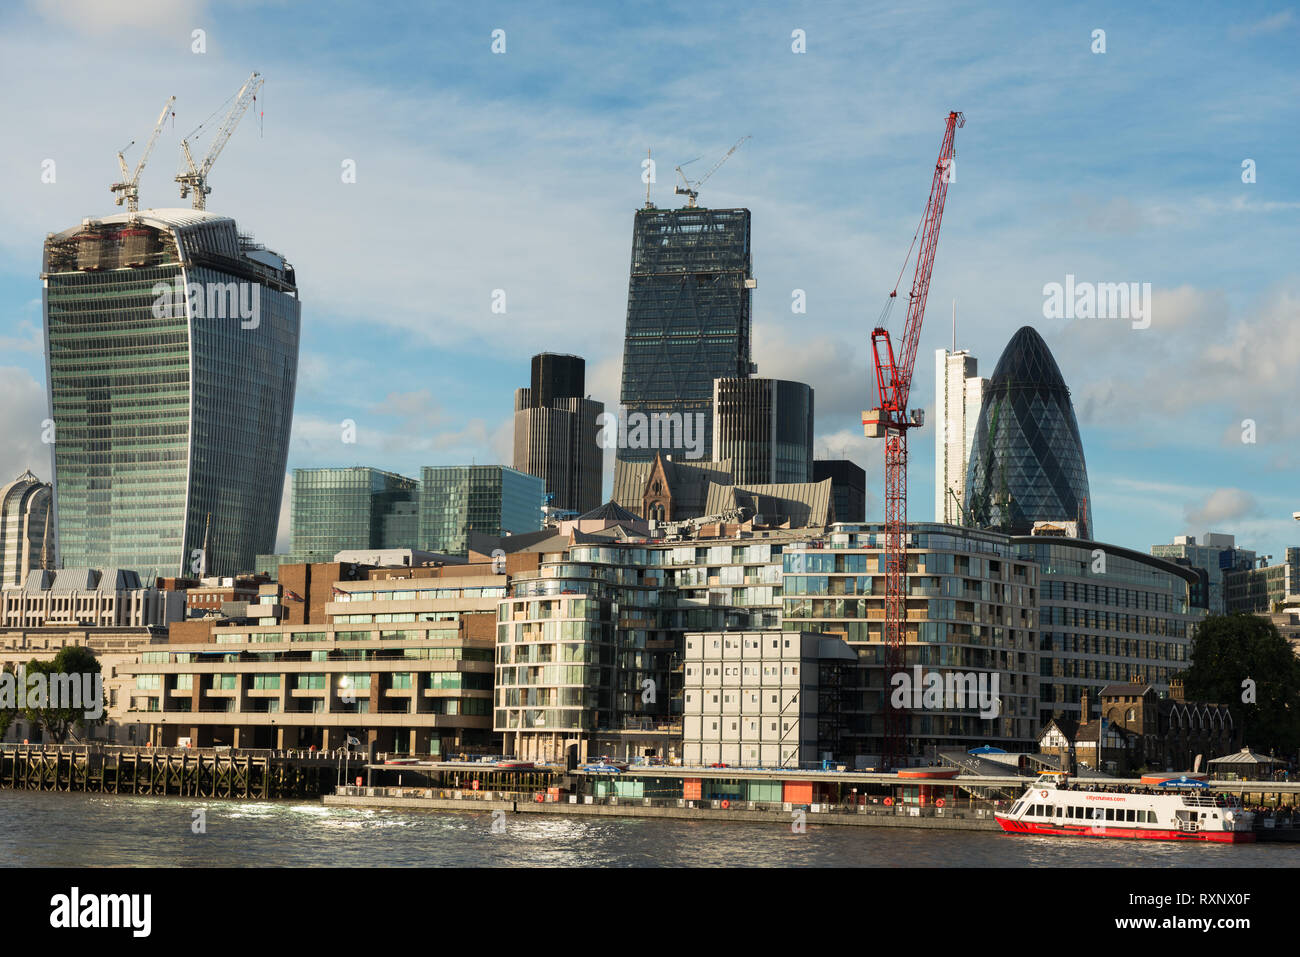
(85, 830)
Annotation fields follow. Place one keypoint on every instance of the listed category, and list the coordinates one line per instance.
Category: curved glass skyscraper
(1026, 461)
(171, 343)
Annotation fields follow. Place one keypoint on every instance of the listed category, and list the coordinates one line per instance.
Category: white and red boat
(1054, 807)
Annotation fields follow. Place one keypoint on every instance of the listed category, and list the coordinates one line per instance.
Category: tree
(1243, 661)
(60, 712)
(7, 715)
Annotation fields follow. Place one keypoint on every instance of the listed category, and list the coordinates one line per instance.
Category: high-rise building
(493, 499)
(556, 433)
(1026, 459)
(958, 394)
(688, 323)
(171, 343)
(848, 487)
(765, 427)
(1217, 555)
(341, 508)
(1265, 589)
(24, 521)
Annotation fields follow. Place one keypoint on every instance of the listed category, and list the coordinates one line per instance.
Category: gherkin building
(1026, 460)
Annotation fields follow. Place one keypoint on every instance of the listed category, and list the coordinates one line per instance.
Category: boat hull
(1123, 833)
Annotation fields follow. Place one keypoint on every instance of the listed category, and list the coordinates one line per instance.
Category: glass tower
(492, 499)
(340, 508)
(1026, 460)
(171, 346)
(688, 316)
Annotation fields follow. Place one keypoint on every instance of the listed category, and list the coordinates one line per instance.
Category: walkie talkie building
(688, 317)
(171, 346)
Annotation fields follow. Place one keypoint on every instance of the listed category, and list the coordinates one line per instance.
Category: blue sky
(521, 171)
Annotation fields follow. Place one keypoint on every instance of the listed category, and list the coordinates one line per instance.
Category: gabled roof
(1131, 689)
(611, 511)
(800, 504)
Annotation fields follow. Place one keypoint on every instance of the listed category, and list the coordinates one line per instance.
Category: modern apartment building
(688, 320)
(1217, 555)
(958, 396)
(401, 659)
(491, 499)
(556, 433)
(334, 509)
(764, 427)
(763, 698)
(171, 343)
(25, 521)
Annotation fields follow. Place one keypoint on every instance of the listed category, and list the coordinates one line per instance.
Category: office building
(764, 427)
(1216, 555)
(556, 433)
(171, 343)
(90, 597)
(492, 499)
(1265, 589)
(688, 323)
(25, 521)
(958, 395)
(1026, 458)
(848, 487)
(350, 508)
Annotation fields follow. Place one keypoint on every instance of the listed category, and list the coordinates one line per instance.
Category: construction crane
(890, 420)
(128, 190)
(692, 190)
(195, 177)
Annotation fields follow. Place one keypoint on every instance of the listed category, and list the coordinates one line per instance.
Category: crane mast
(890, 420)
(195, 177)
(128, 190)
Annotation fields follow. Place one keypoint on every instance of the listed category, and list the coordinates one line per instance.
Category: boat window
(1060, 812)
(1110, 814)
(1128, 815)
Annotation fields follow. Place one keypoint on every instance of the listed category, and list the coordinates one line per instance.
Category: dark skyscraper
(556, 432)
(764, 427)
(1026, 461)
(848, 487)
(688, 317)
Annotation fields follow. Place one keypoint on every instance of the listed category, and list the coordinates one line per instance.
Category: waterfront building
(90, 597)
(763, 698)
(556, 435)
(171, 345)
(333, 509)
(116, 647)
(1106, 615)
(688, 319)
(1216, 555)
(400, 658)
(1265, 589)
(848, 487)
(764, 427)
(492, 499)
(958, 396)
(24, 525)
(1026, 456)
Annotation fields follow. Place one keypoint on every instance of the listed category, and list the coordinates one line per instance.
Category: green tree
(1237, 658)
(69, 665)
(7, 715)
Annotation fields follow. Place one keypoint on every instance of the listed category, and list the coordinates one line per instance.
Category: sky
(1161, 151)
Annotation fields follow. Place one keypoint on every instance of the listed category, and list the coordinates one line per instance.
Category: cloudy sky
(520, 171)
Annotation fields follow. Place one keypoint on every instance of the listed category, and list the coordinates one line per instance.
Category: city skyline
(832, 199)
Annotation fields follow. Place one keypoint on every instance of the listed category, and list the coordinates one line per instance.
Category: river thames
(44, 829)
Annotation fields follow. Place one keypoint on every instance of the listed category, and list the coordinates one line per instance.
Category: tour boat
(1054, 807)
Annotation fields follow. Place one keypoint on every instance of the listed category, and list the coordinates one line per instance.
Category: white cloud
(25, 408)
(1221, 506)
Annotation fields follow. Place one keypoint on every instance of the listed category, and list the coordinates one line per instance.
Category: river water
(44, 829)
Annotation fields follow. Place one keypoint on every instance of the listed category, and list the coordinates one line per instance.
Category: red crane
(890, 420)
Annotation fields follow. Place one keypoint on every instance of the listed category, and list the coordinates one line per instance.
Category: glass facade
(688, 313)
(492, 499)
(1026, 460)
(172, 349)
(341, 508)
